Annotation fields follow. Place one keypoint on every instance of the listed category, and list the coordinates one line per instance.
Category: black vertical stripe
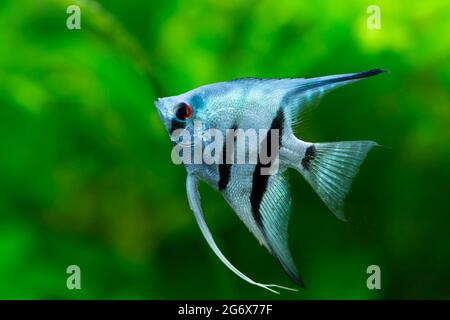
(259, 182)
(225, 165)
(175, 124)
(310, 155)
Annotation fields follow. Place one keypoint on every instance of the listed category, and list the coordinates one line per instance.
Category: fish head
(180, 112)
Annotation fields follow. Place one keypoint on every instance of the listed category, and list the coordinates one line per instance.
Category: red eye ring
(184, 111)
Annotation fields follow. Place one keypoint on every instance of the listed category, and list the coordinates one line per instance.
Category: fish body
(258, 191)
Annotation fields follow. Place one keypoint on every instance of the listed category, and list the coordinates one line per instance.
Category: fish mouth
(158, 104)
(161, 115)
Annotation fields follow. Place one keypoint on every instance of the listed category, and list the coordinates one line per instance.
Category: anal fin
(275, 213)
(195, 205)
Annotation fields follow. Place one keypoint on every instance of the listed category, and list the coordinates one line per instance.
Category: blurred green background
(85, 170)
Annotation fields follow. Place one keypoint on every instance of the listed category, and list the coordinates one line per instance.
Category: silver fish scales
(261, 199)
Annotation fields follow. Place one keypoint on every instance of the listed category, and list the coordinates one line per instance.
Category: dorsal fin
(306, 95)
(298, 96)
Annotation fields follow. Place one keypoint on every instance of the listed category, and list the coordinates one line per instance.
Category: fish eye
(183, 111)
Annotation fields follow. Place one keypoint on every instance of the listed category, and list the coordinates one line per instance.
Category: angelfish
(262, 201)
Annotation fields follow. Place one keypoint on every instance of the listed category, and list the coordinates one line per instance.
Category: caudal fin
(330, 168)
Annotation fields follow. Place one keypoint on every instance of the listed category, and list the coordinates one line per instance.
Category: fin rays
(332, 170)
(194, 203)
